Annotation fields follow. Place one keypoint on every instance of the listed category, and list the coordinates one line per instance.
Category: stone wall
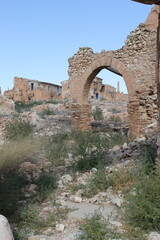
(27, 90)
(135, 62)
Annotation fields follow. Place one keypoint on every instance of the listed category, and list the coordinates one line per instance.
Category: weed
(143, 208)
(22, 106)
(18, 129)
(119, 180)
(46, 183)
(115, 119)
(133, 233)
(118, 139)
(46, 112)
(95, 227)
(31, 222)
(57, 149)
(148, 157)
(114, 110)
(19, 106)
(90, 148)
(97, 114)
(97, 183)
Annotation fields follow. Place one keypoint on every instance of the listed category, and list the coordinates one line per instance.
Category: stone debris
(154, 236)
(60, 227)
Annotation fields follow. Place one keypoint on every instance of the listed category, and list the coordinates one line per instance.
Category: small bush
(118, 139)
(22, 106)
(56, 149)
(148, 157)
(114, 110)
(10, 192)
(98, 114)
(90, 149)
(46, 183)
(46, 112)
(143, 208)
(119, 180)
(115, 119)
(95, 227)
(19, 106)
(32, 223)
(18, 129)
(98, 183)
(52, 101)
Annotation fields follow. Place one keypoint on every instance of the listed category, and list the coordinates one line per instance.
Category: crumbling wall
(27, 90)
(135, 62)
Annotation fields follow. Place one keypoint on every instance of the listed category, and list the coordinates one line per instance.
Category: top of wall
(36, 81)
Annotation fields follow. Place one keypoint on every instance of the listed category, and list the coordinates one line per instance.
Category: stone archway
(135, 61)
(80, 87)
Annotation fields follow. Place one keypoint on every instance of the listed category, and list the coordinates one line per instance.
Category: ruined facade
(98, 91)
(27, 90)
(135, 62)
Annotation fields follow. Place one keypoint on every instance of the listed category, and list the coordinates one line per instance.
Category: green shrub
(18, 129)
(119, 180)
(90, 149)
(11, 185)
(31, 223)
(56, 148)
(22, 106)
(148, 157)
(46, 183)
(115, 119)
(52, 101)
(97, 114)
(98, 183)
(46, 112)
(95, 227)
(118, 139)
(114, 110)
(19, 106)
(143, 208)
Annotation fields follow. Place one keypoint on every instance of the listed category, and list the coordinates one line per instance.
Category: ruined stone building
(98, 91)
(135, 62)
(27, 90)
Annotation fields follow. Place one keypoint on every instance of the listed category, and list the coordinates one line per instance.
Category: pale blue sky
(38, 36)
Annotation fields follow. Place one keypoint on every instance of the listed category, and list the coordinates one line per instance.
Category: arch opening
(110, 72)
(108, 95)
(80, 86)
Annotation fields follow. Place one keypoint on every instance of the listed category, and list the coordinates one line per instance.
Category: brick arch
(111, 64)
(80, 86)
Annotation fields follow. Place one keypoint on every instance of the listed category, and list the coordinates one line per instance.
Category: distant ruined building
(27, 90)
(98, 91)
